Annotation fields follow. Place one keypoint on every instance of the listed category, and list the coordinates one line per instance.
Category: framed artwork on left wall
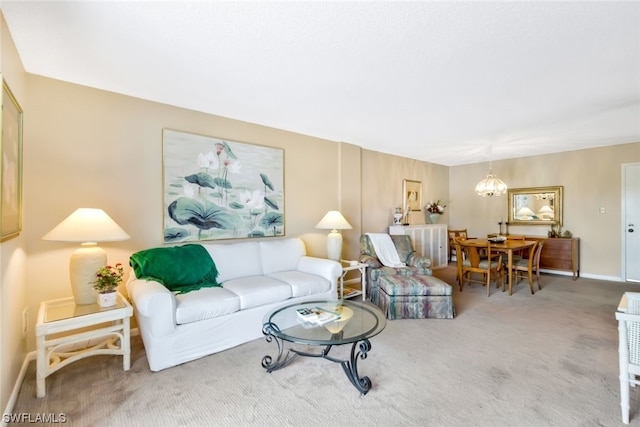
(11, 165)
(220, 189)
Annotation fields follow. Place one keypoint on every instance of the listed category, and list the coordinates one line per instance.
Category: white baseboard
(585, 275)
(16, 387)
(601, 277)
(23, 373)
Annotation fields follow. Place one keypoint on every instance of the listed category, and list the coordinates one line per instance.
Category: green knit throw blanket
(180, 269)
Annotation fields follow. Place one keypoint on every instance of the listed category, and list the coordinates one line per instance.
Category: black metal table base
(359, 350)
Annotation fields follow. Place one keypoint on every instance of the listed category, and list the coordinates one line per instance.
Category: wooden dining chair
(488, 268)
(453, 234)
(517, 254)
(534, 260)
(460, 259)
(524, 267)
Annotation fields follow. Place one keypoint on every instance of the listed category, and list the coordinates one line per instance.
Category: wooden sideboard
(560, 253)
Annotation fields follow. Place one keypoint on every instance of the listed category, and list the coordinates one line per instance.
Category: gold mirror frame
(535, 206)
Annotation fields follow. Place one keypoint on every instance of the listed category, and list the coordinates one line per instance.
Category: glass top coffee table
(357, 322)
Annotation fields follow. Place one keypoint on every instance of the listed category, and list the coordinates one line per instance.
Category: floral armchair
(417, 265)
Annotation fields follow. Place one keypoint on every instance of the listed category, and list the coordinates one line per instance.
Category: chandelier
(544, 196)
(491, 186)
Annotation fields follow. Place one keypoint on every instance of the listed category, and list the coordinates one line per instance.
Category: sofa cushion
(205, 304)
(281, 255)
(255, 291)
(302, 284)
(236, 259)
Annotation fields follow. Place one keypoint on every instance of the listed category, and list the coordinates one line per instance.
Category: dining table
(508, 247)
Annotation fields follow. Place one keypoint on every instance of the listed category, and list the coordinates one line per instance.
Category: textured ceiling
(444, 82)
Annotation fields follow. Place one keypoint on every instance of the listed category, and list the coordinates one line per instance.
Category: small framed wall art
(11, 165)
(411, 195)
(220, 189)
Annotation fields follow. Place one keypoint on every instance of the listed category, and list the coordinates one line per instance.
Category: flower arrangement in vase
(433, 211)
(107, 280)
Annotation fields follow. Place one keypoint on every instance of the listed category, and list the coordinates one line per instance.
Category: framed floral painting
(220, 189)
(11, 166)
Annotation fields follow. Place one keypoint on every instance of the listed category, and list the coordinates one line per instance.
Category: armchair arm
(371, 262)
(419, 261)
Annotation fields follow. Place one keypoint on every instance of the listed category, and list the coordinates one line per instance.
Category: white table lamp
(88, 227)
(546, 212)
(525, 213)
(334, 221)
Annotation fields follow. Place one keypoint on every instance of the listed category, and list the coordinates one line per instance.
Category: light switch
(601, 209)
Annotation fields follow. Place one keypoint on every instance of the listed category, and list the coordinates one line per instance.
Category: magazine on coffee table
(316, 315)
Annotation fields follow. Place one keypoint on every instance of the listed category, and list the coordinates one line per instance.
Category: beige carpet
(548, 359)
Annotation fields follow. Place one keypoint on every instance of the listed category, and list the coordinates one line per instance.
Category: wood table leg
(509, 267)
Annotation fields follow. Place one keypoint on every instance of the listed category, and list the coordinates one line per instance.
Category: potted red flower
(107, 280)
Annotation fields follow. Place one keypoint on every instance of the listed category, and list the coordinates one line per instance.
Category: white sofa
(256, 277)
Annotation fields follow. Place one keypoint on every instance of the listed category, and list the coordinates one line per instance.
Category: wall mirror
(535, 206)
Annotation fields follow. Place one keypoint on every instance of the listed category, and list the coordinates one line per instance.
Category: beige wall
(591, 179)
(92, 148)
(89, 148)
(13, 282)
(350, 197)
(382, 177)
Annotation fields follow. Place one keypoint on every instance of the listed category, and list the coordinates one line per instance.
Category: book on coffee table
(308, 314)
(317, 315)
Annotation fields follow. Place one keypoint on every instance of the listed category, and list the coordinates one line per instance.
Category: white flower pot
(107, 299)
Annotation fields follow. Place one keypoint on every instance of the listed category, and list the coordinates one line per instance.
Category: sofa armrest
(155, 307)
(326, 268)
(419, 261)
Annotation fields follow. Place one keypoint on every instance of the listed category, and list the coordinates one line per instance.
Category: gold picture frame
(411, 195)
(535, 206)
(10, 166)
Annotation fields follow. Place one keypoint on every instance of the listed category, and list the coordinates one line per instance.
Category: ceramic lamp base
(334, 245)
(83, 266)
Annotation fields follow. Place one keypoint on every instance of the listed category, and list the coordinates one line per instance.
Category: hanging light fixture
(491, 185)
